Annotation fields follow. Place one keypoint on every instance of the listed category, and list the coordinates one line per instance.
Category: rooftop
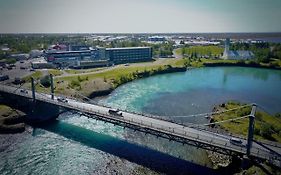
(120, 48)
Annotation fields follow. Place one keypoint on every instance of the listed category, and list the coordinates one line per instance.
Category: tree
(46, 81)
(266, 131)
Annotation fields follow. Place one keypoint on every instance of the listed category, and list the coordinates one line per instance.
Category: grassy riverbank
(11, 121)
(101, 81)
(267, 127)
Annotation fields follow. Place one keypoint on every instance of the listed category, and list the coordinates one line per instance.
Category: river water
(75, 144)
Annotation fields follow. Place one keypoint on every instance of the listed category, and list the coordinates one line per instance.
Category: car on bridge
(235, 141)
(24, 91)
(62, 99)
(115, 112)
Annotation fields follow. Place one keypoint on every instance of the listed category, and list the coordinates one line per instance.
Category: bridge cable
(211, 113)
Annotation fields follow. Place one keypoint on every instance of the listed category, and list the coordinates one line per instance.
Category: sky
(139, 16)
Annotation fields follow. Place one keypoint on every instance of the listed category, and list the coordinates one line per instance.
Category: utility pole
(251, 129)
(52, 86)
(33, 89)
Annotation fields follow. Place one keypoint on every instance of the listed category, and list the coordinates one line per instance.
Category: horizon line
(139, 33)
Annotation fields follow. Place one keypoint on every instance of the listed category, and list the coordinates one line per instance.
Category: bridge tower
(52, 86)
(33, 88)
(251, 129)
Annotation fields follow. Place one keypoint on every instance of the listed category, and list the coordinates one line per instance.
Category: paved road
(176, 55)
(260, 150)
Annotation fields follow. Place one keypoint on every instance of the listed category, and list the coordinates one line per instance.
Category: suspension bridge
(198, 135)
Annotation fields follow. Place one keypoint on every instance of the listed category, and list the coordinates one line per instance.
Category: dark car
(115, 112)
(24, 91)
(62, 99)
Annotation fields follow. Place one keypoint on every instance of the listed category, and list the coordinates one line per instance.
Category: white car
(235, 141)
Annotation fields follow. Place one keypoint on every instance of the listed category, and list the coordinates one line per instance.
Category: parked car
(115, 112)
(62, 99)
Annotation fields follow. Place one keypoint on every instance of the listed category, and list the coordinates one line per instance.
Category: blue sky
(135, 16)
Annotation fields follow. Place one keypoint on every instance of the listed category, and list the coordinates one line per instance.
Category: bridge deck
(202, 138)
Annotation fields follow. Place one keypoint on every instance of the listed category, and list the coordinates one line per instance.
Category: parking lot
(21, 69)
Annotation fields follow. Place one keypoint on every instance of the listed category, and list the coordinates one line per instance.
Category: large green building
(129, 54)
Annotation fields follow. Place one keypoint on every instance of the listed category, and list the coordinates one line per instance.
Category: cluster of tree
(24, 43)
(46, 81)
(202, 51)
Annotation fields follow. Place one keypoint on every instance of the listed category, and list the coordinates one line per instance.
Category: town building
(20, 56)
(129, 54)
(156, 39)
(35, 53)
(236, 55)
(41, 63)
(73, 58)
(81, 57)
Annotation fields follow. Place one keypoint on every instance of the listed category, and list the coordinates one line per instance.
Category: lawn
(35, 75)
(125, 70)
(55, 72)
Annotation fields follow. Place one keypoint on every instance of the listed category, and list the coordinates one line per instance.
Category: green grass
(55, 72)
(73, 71)
(267, 127)
(35, 75)
(261, 171)
(121, 70)
(4, 109)
(114, 76)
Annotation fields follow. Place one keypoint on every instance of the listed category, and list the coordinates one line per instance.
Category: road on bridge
(269, 152)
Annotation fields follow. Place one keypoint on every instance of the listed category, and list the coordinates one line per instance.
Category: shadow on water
(149, 158)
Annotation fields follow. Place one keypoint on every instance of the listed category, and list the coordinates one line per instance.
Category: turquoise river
(75, 144)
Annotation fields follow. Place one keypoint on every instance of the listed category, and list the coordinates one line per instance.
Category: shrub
(74, 83)
(266, 131)
(46, 81)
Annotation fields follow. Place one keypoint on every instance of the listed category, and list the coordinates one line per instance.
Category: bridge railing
(180, 131)
(195, 126)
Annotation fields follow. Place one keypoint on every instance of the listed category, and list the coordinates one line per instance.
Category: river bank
(240, 128)
(103, 83)
(95, 85)
(243, 64)
(11, 120)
